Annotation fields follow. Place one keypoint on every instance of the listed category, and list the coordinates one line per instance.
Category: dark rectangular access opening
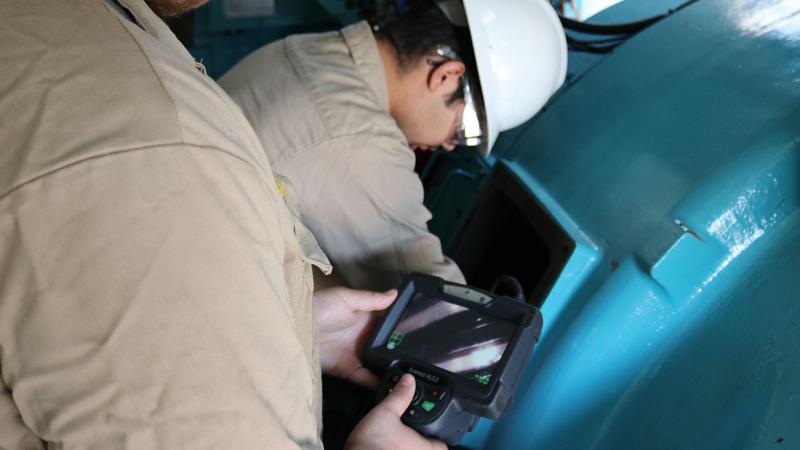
(511, 233)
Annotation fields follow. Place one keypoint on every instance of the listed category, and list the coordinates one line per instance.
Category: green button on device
(427, 406)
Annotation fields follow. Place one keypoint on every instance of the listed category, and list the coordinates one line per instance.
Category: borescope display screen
(452, 337)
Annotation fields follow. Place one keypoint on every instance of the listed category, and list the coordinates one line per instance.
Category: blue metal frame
(674, 164)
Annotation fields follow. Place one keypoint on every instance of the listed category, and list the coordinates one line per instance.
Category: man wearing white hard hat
(340, 114)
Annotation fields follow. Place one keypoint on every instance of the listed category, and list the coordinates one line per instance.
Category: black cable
(589, 47)
(611, 40)
(623, 30)
(619, 28)
(510, 283)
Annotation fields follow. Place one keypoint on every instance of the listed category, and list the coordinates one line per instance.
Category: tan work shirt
(320, 106)
(153, 293)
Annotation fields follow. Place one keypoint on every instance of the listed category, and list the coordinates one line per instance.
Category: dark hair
(418, 32)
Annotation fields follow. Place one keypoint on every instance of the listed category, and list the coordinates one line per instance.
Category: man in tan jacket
(155, 289)
(339, 114)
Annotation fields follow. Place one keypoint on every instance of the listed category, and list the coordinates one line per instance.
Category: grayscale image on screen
(451, 337)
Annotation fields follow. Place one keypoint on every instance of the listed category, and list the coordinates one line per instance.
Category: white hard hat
(521, 52)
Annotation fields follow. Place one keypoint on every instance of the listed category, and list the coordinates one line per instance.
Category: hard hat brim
(511, 97)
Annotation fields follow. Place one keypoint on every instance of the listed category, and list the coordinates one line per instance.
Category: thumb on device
(382, 428)
(401, 395)
(371, 301)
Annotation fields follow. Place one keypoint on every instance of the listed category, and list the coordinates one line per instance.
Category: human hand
(382, 429)
(344, 319)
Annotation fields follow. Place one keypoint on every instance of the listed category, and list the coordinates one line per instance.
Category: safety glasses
(470, 131)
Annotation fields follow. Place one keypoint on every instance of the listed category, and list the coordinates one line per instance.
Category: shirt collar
(135, 11)
(140, 14)
(364, 49)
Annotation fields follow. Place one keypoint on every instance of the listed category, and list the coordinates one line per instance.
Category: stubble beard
(172, 8)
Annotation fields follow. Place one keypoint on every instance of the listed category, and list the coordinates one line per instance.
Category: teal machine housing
(672, 166)
(651, 211)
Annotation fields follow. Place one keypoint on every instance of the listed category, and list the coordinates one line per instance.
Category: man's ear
(445, 77)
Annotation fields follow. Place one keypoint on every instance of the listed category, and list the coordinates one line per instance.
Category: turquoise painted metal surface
(674, 163)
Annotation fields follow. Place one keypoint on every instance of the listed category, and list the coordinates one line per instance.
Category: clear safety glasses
(470, 131)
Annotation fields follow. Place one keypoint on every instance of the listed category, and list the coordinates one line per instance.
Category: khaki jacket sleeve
(367, 213)
(144, 306)
(13, 432)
